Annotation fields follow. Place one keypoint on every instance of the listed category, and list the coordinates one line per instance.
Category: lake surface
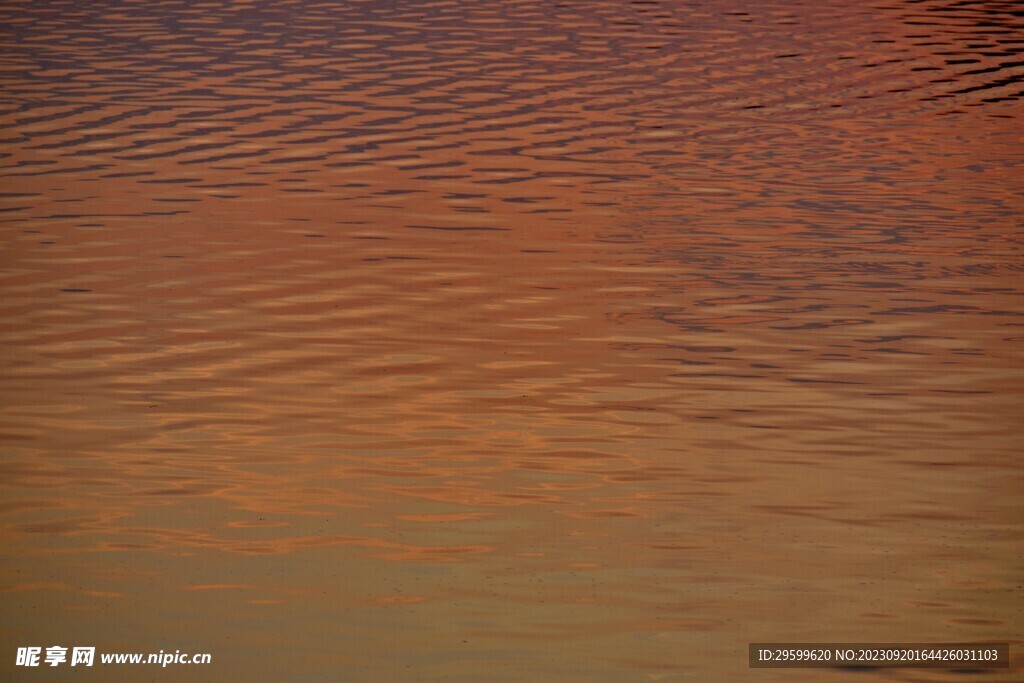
(509, 340)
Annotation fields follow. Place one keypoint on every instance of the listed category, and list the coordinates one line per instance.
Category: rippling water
(510, 340)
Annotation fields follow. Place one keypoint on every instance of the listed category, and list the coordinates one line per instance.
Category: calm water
(509, 340)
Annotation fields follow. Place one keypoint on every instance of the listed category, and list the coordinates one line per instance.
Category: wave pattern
(597, 338)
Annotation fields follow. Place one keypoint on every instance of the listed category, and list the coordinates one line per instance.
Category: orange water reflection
(510, 342)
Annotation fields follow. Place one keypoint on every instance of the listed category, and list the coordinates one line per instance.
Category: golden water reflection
(354, 340)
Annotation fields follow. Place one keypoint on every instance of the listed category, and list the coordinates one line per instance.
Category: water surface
(509, 340)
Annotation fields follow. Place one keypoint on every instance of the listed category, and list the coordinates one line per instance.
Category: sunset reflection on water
(509, 341)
